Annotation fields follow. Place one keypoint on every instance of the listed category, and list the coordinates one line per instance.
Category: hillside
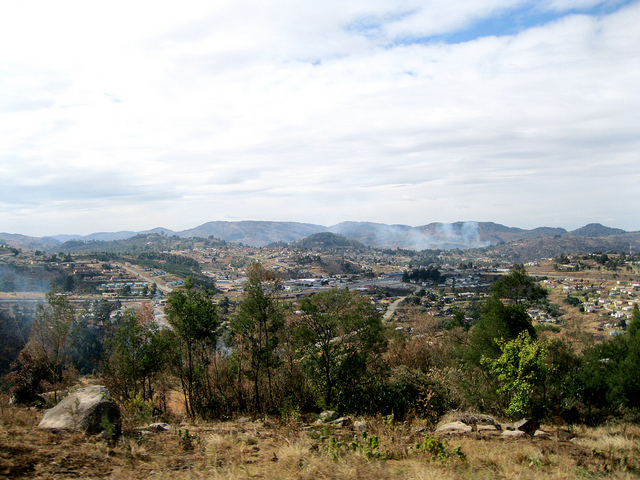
(255, 234)
(446, 236)
(527, 250)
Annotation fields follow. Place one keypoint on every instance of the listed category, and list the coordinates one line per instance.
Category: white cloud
(314, 112)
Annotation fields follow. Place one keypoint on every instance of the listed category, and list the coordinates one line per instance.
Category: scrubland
(297, 448)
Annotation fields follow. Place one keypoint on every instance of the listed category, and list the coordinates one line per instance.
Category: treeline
(331, 350)
(329, 242)
(429, 274)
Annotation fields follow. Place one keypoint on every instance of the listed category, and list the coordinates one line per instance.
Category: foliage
(497, 321)
(608, 381)
(46, 362)
(518, 287)
(256, 329)
(404, 393)
(438, 449)
(195, 322)
(329, 242)
(342, 340)
(521, 372)
(430, 274)
(137, 353)
(13, 339)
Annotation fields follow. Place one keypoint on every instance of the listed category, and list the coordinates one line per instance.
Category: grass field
(293, 449)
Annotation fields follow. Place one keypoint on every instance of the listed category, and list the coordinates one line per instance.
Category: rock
(328, 415)
(477, 419)
(454, 428)
(527, 425)
(162, 427)
(360, 426)
(90, 409)
(341, 422)
(487, 428)
(513, 434)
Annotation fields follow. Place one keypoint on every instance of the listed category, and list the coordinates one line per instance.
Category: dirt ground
(246, 448)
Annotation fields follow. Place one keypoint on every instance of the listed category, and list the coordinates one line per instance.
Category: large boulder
(90, 409)
(454, 428)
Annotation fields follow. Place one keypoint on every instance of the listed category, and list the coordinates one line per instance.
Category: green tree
(518, 287)
(342, 338)
(256, 328)
(609, 381)
(521, 372)
(137, 351)
(498, 322)
(195, 322)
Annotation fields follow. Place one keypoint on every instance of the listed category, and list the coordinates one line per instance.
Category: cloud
(411, 113)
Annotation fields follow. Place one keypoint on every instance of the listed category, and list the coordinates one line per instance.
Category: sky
(133, 115)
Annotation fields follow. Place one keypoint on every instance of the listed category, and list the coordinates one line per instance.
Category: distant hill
(328, 242)
(462, 235)
(253, 233)
(24, 241)
(596, 230)
(530, 249)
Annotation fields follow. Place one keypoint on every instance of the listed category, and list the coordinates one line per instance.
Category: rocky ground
(293, 449)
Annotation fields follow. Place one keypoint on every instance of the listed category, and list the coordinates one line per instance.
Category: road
(392, 308)
(163, 288)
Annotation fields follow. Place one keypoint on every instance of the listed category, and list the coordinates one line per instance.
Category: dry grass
(290, 450)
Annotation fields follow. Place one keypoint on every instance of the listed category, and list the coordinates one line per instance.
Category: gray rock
(341, 422)
(90, 409)
(454, 428)
(487, 428)
(477, 419)
(360, 426)
(162, 427)
(328, 415)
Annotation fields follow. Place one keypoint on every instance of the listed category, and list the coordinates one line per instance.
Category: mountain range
(461, 235)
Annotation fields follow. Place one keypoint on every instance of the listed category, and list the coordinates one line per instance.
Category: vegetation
(195, 324)
(286, 355)
(341, 343)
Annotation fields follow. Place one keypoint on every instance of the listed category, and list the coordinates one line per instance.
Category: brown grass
(294, 450)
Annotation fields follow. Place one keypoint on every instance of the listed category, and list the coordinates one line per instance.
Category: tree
(12, 340)
(609, 379)
(45, 361)
(195, 322)
(498, 322)
(136, 353)
(256, 328)
(518, 287)
(342, 338)
(521, 371)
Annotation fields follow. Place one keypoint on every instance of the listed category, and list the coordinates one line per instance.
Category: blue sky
(133, 115)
